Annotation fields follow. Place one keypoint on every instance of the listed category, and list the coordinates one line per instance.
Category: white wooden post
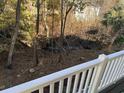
(100, 72)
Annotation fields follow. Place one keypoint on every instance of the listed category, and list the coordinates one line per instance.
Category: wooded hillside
(41, 33)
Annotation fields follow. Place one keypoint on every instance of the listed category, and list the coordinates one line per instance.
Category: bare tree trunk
(38, 16)
(53, 19)
(45, 21)
(62, 16)
(47, 27)
(65, 18)
(113, 40)
(9, 64)
(35, 56)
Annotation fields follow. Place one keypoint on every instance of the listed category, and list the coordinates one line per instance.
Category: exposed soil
(76, 51)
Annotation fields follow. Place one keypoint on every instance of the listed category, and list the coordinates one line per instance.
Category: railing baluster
(52, 88)
(121, 72)
(118, 69)
(108, 73)
(82, 82)
(69, 85)
(87, 80)
(113, 70)
(100, 71)
(92, 80)
(61, 86)
(41, 90)
(102, 84)
(76, 83)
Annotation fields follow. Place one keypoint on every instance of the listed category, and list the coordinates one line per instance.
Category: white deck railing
(89, 77)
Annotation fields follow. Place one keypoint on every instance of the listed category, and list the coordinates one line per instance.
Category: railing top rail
(58, 75)
(115, 55)
(52, 77)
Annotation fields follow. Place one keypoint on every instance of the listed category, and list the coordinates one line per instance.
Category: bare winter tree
(18, 6)
(44, 19)
(53, 18)
(66, 7)
(35, 55)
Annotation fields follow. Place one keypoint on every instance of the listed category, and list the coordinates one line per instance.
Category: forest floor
(24, 69)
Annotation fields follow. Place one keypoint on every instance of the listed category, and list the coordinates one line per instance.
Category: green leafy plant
(120, 40)
(114, 18)
(114, 21)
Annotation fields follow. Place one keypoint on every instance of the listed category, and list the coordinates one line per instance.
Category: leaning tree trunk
(113, 40)
(65, 18)
(9, 64)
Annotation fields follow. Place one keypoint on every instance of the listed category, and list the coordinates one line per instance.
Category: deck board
(116, 88)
